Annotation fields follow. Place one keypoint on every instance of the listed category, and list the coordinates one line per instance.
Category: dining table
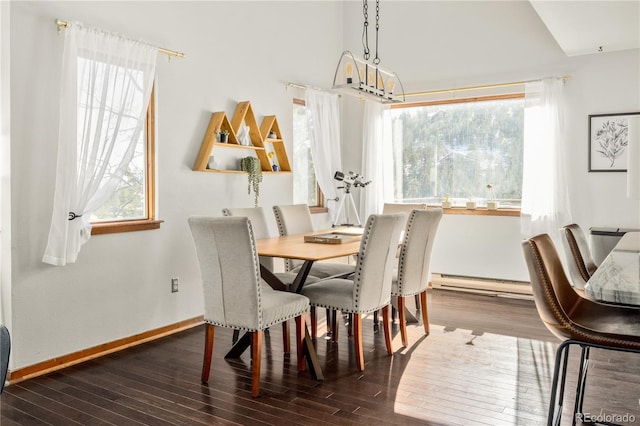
(617, 279)
(295, 247)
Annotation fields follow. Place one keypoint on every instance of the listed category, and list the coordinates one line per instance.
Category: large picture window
(467, 149)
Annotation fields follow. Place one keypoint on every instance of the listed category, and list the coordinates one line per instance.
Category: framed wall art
(609, 139)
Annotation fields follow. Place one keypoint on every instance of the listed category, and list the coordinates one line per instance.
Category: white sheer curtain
(323, 115)
(105, 89)
(545, 196)
(376, 158)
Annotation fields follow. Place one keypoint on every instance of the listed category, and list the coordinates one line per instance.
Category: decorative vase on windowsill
(446, 203)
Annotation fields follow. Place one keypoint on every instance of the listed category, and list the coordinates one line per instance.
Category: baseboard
(482, 285)
(98, 351)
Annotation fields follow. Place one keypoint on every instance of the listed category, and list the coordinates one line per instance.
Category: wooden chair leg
(236, 335)
(387, 329)
(256, 355)
(285, 337)
(328, 316)
(350, 327)
(416, 299)
(300, 323)
(357, 340)
(314, 323)
(208, 352)
(402, 318)
(334, 325)
(423, 309)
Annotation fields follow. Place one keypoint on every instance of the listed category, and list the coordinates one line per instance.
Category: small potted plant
(471, 204)
(446, 203)
(223, 135)
(492, 204)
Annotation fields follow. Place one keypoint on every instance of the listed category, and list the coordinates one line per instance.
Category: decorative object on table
(274, 165)
(492, 204)
(212, 164)
(223, 136)
(471, 205)
(609, 139)
(446, 203)
(251, 165)
(367, 79)
(272, 135)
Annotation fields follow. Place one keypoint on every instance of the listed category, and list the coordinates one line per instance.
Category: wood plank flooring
(487, 361)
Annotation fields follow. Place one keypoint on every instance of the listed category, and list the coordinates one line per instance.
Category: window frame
(150, 222)
(460, 210)
(320, 207)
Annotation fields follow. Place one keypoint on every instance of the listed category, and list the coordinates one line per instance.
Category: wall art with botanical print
(609, 139)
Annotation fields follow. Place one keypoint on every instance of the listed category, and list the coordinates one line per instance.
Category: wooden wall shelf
(259, 136)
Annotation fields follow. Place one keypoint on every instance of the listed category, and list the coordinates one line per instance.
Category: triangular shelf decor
(257, 135)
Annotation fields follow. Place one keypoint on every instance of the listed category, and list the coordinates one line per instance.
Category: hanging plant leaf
(251, 165)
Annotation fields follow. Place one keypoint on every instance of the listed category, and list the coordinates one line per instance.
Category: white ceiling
(583, 27)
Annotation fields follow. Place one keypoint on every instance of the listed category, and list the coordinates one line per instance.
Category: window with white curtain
(305, 185)
(132, 199)
(456, 149)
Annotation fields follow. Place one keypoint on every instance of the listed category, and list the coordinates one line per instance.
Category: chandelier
(367, 79)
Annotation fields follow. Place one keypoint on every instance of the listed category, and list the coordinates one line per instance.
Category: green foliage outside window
(456, 149)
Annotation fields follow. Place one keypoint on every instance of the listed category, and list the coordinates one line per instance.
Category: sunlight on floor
(474, 377)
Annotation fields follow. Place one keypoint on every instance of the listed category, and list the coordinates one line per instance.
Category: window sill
(98, 228)
(480, 211)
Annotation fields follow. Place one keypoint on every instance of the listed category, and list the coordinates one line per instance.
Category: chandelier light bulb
(348, 69)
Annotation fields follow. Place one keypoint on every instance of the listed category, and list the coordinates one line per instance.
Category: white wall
(239, 51)
(442, 45)
(120, 285)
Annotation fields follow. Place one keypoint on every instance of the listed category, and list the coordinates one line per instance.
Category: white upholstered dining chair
(261, 230)
(370, 288)
(296, 219)
(414, 264)
(234, 294)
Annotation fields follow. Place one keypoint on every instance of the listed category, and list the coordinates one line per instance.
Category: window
(305, 186)
(132, 205)
(457, 148)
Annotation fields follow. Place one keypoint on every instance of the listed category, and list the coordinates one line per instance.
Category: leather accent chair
(574, 319)
(370, 288)
(579, 259)
(234, 294)
(414, 264)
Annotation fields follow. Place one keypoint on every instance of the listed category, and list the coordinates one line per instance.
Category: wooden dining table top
(295, 247)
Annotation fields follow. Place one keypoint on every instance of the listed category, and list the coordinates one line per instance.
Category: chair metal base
(559, 382)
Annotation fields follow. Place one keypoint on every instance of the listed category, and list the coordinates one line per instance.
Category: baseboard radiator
(491, 286)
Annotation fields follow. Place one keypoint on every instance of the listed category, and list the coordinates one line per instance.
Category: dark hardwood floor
(487, 361)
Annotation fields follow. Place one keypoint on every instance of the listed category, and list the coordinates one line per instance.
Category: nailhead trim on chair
(358, 272)
(403, 254)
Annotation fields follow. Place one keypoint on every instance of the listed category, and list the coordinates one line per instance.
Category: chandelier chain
(365, 32)
(376, 60)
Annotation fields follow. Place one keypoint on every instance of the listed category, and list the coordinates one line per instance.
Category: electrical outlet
(174, 285)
